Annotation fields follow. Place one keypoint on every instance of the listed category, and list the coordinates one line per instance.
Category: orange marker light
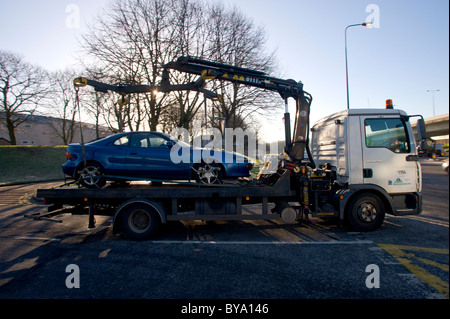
(389, 104)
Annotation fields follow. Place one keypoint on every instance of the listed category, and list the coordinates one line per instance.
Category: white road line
(206, 242)
(428, 220)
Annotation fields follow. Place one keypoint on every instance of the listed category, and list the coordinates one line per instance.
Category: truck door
(387, 147)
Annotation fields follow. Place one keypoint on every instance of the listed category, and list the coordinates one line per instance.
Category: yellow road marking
(407, 260)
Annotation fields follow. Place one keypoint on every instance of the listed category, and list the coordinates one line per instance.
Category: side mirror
(421, 130)
(423, 144)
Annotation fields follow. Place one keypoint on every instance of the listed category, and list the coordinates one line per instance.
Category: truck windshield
(387, 133)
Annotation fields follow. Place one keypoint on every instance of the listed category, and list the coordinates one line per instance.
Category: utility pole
(432, 94)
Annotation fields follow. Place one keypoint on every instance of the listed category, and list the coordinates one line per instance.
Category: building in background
(47, 130)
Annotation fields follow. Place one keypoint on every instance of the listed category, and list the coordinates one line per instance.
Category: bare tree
(129, 43)
(62, 103)
(93, 103)
(234, 39)
(134, 38)
(190, 39)
(22, 87)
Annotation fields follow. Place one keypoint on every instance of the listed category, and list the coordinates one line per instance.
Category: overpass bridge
(436, 125)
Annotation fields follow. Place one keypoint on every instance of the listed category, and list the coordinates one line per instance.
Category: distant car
(147, 155)
(445, 166)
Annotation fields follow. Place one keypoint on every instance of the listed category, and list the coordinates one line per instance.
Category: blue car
(150, 155)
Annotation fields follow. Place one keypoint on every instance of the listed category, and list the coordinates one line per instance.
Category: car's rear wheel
(92, 175)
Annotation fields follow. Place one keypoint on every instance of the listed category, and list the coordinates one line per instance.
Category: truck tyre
(140, 222)
(366, 212)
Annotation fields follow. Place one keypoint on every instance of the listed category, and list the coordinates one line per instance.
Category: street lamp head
(364, 24)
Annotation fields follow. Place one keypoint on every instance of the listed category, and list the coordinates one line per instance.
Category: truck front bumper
(407, 204)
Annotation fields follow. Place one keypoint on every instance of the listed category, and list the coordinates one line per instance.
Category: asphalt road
(407, 258)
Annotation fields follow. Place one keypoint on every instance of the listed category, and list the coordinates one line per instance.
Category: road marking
(381, 254)
(212, 242)
(409, 260)
(428, 220)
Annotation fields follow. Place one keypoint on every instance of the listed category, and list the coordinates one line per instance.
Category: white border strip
(206, 242)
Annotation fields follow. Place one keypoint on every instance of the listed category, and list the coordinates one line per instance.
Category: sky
(403, 55)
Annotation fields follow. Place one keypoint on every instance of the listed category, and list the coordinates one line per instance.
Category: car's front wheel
(92, 176)
(208, 173)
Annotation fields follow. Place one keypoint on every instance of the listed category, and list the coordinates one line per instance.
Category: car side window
(158, 141)
(140, 140)
(387, 133)
(123, 141)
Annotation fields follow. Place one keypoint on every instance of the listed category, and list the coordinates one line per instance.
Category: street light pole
(365, 24)
(432, 94)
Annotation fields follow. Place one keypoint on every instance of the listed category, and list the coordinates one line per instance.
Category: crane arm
(164, 86)
(220, 71)
(295, 146)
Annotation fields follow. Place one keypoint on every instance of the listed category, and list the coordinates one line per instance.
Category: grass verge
(23, 164)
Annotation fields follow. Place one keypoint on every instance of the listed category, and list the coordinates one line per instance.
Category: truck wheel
(366, 212)
(140, 222)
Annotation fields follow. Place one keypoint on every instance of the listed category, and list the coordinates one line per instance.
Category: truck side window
(387, 133)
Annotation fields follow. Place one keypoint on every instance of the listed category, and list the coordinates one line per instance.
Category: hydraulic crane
(207, 70)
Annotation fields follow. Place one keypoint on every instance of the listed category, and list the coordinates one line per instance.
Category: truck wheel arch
(117, 220)
(356, 190)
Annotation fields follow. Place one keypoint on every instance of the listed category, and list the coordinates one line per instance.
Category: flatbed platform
(175, 201)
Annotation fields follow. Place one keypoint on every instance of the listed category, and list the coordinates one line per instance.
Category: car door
(149, 157)
(387, 151)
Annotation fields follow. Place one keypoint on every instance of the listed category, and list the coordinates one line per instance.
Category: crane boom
(295, 146)
(220, 71)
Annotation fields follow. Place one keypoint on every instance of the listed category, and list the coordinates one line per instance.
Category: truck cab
(371, 151)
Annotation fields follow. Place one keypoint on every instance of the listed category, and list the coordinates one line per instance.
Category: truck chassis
(138, 210)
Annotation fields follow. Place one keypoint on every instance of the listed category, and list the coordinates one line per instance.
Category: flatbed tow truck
(360, 165)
